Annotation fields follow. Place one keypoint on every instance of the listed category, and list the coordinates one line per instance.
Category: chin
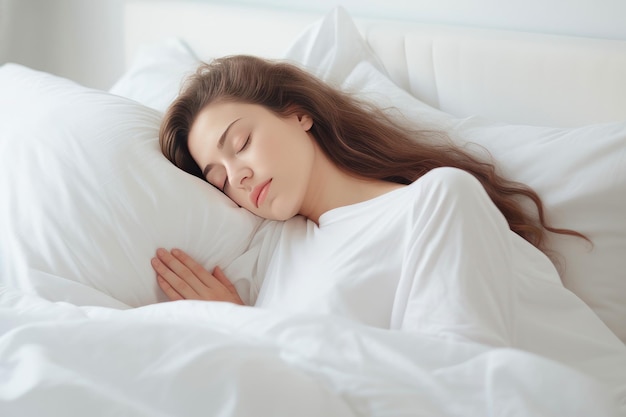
(282, 216)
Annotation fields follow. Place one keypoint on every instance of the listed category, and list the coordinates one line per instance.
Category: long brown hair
(357, 136)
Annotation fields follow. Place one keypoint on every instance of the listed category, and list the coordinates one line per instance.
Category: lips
(258, 194)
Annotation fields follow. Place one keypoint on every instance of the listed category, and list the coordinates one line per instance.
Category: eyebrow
(220, 145)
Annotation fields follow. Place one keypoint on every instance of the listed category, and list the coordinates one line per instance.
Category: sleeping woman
(385, 225)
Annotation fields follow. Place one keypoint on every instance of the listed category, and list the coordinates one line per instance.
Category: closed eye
(245, 145)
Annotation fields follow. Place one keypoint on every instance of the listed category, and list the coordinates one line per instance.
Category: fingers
(181, 277)
(219, 275)
(178, 275)
(198, 270)
(169, 291)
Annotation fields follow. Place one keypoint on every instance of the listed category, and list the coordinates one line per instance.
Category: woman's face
(262, 161)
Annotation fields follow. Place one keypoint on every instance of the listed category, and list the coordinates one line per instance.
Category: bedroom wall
(83, 39)
(78, 39)
(595, 18)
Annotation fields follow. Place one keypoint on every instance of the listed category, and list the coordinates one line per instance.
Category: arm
(182, 278)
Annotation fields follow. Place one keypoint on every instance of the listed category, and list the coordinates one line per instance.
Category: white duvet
(533, 349)
(215, 359)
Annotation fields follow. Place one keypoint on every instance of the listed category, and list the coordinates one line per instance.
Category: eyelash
(245, 145)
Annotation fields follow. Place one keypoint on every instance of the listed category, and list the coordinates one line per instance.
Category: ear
(305, 121)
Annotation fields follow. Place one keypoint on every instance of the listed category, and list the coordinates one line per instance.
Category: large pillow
(86, 197)
(579, 173)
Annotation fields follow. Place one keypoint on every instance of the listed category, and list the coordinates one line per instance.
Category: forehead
(213, 119)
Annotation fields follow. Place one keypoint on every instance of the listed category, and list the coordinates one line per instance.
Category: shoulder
(448, 188)
(450, 178)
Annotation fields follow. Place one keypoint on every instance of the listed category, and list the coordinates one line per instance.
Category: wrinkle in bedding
(473, 332)
(196, 358)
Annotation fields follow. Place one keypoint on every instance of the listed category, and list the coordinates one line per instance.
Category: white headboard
(511, 76)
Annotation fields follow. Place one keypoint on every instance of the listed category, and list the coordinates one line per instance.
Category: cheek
(296, 145)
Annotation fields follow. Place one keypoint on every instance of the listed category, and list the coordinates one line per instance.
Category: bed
(87, 197)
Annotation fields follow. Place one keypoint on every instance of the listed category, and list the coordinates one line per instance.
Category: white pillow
(155, 75)
(579, 173)
(87, 197)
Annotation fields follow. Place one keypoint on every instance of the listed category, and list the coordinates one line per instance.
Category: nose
(238, 175)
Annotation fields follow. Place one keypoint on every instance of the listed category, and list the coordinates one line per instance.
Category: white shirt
(349, 265)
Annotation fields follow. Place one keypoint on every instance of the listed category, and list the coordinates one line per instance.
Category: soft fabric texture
(437, 258)
(156, 73)
(579, 173)
(87, 197)
(463, 315)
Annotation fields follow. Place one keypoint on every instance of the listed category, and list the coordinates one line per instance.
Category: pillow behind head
(87, 197)
(331, 47)
(156, 73)
(579, 173)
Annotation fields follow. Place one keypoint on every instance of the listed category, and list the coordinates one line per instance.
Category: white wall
(595, 18)
(83, 39)
(78, 39)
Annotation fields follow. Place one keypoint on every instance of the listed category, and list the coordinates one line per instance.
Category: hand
(182, 278)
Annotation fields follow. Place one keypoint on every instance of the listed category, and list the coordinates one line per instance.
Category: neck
(330, 188)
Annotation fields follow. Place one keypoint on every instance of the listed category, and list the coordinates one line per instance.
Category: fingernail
(175, 252)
